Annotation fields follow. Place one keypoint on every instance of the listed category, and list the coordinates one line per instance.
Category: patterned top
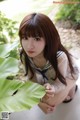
(47, 73)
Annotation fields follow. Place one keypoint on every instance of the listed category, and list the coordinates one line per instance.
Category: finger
(47, 86)
(50, 106)
(50, 110)
(49, 95)
(52, 90)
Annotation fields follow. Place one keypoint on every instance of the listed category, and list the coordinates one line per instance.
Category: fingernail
(49, 109)
(53, 106)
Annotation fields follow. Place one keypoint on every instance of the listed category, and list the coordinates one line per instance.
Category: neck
(39, 61)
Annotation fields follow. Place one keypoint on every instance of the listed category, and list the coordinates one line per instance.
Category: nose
(30, 44)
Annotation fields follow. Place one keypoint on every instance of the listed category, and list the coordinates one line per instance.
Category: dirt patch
(70, 36)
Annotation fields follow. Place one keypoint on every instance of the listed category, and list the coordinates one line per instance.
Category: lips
(30, 52)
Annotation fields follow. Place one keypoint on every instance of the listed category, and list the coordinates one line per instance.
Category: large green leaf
(28, 94)
(6, 48)
(8, 66)
(1, 60)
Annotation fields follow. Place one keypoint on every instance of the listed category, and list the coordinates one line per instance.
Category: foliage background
(69, 11)
(9, 31)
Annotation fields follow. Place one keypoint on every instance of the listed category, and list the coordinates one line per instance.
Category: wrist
(54, 89)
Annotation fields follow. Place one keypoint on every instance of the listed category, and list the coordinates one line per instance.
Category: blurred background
(65, 14)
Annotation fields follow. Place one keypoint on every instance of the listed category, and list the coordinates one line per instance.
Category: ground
(70, 37)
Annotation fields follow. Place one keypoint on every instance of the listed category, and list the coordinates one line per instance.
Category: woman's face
(33, 46)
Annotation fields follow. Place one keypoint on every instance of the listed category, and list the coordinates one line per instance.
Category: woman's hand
(50, 90)
(46, 108)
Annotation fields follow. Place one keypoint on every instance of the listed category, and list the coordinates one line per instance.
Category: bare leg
(71, 93)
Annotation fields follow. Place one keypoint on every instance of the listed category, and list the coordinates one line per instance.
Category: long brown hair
(37, 24)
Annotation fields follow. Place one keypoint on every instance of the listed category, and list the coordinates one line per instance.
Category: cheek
(42, 45)
(38, 44)
(24, 44)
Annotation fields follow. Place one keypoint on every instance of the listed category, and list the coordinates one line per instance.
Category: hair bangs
(33, 30)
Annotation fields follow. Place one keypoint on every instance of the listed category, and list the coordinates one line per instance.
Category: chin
(32, 56)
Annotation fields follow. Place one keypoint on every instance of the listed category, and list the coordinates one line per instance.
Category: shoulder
(61, 56)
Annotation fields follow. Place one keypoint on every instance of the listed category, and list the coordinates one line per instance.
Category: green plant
(18, 96)
(15, 95)
(8, 66)
(8, 29)
(69, 12)
(2, 0)
(10, 50)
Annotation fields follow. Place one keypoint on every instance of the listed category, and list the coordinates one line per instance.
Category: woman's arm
(46, 108)
(61, 90)
(60, 96)
(48, 105)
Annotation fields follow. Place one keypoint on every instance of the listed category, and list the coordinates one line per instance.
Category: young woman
(46, 61)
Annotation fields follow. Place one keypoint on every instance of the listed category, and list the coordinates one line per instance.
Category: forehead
(32, 30)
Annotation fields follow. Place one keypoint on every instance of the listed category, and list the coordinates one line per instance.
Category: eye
(37, 38)
(24, 38)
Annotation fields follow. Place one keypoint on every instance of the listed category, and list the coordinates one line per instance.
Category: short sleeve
(64, 68)
(63, 64)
